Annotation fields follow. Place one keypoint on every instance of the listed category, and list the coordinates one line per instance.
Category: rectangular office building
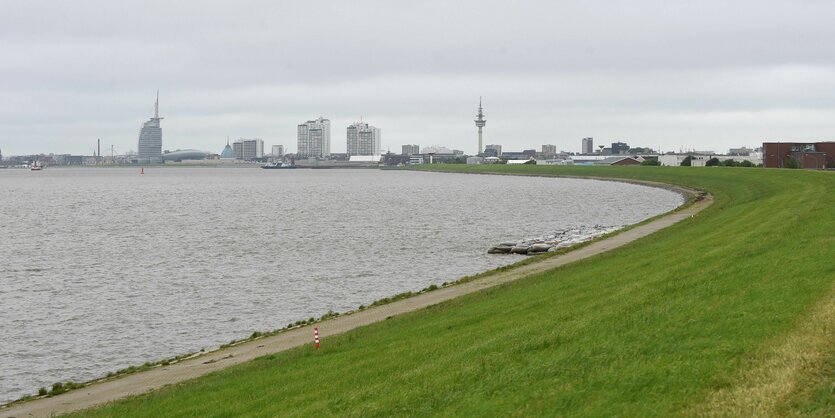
(248, 149)
(588, 146)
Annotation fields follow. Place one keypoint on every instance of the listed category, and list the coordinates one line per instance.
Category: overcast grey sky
(698, 75)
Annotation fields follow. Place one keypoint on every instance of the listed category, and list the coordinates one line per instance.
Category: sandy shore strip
(135, 384)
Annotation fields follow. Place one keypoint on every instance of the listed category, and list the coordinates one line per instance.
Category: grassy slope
(654, 328)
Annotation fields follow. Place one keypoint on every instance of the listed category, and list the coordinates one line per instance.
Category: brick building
(811, 155)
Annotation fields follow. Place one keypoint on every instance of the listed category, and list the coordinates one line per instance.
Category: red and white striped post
(316, 336)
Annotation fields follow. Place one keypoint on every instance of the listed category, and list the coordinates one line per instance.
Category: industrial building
(810, 155)
(619, 148)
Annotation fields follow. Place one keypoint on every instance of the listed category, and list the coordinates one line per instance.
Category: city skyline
(649, 73)
(361, 135)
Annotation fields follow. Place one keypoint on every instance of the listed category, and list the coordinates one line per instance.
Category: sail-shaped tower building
(150, 138)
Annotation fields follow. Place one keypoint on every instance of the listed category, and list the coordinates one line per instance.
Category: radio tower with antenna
(480, 122)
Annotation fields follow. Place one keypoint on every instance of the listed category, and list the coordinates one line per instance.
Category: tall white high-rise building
(363, 139)
(588, 146)
(278, 151)
(314, 138)
(150, 138)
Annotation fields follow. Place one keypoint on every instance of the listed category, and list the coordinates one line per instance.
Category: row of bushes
(57, 389)
(715, 162)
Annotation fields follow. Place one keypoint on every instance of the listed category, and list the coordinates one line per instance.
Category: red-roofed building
(810, 155)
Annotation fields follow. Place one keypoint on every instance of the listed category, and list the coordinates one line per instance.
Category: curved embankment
(725, 313)
(139, 383)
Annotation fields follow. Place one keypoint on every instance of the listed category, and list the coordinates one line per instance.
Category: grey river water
(102, 268)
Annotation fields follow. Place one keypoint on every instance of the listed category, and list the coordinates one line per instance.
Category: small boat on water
(36, 166)
(275, 165)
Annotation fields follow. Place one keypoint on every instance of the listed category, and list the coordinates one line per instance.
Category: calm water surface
(105, 268)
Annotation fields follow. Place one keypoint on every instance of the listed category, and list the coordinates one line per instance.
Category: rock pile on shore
(552, 242)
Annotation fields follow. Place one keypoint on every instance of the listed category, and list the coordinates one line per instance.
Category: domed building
(186, 154)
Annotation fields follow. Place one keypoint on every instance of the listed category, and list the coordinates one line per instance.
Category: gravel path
(138, 383)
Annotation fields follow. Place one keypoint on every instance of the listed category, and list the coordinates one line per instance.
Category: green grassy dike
(687, 322)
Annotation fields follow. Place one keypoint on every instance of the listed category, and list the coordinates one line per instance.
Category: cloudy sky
(705, 75)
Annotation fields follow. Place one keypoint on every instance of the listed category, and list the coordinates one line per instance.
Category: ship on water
(275, 165)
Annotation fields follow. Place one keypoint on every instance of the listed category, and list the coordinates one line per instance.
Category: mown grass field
(730, 313)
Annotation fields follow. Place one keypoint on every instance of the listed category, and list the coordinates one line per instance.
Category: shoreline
(193, 365)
